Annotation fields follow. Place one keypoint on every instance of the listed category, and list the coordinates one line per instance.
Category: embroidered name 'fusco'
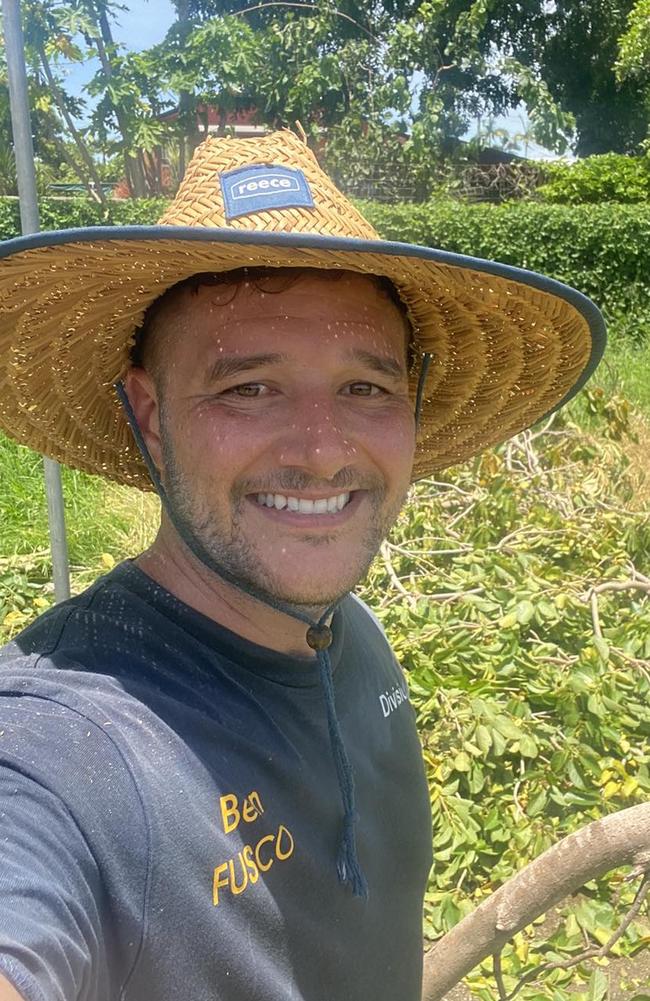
(244, 868)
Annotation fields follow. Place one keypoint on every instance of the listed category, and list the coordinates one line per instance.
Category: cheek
(391, 445)
(219, 447)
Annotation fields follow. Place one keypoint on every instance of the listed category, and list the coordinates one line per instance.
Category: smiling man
(285, 431)
(210, 780)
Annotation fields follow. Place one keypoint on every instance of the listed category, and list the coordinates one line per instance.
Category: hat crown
(271, 184)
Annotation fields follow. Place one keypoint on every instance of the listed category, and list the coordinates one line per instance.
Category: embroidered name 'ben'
(244, 868)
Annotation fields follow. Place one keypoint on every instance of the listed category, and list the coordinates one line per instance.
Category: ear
(143, 397)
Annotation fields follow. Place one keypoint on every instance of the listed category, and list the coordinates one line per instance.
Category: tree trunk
(95, 188)
(132, 164)
(622, 838)
(186, 109)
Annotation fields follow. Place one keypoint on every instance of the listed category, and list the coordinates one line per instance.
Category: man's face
(286, 434)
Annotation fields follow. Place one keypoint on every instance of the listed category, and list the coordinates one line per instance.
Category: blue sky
(143, 24)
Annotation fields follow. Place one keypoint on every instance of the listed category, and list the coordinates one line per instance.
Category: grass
(625, 369)
(101, 517)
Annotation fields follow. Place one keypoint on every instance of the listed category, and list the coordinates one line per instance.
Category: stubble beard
(224, 550)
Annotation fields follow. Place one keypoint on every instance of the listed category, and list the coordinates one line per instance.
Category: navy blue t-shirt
(170, 813)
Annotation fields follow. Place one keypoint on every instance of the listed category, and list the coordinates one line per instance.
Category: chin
(316, 591)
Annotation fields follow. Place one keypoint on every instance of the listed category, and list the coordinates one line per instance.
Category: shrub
(69, 213)
(610, 177)
(603, 250)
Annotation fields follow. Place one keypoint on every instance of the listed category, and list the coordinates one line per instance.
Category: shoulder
(59, 625)
(74, 825)
(61, 718)
(366, 640)
(65, 744)
(360, 618)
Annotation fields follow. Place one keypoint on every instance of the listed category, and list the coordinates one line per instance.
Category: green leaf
(528, 746)
(598, 986)
(524, 612)
(462, 762)
(537, 804)
(483, 738)
(507, 728)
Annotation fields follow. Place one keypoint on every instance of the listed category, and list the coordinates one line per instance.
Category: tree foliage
(610, 177)
(634, 45)
(530, 671)
(392, 85)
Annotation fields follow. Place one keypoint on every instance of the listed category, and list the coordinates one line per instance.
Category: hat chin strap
(319, 638)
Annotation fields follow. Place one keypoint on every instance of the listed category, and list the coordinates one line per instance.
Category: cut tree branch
(620, 839)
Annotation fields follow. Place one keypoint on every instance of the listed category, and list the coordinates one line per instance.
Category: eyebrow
(379, 363)
(229, 365)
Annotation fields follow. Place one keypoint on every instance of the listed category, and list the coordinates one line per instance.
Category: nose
(315, 440)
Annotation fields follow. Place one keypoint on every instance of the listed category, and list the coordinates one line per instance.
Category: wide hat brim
(508, 346)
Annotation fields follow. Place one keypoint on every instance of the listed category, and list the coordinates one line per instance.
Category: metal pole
(24, 153)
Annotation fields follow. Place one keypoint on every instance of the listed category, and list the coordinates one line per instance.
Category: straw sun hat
(507, 346)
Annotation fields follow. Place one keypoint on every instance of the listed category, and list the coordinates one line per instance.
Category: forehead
(341, 307)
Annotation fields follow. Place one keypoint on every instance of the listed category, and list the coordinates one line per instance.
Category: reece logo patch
(262, 187)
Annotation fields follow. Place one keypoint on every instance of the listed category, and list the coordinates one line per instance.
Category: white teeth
(324, 505)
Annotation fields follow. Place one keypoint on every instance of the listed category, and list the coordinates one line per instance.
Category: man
(202, 793)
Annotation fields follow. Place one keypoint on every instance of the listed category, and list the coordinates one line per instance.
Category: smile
(301, 505)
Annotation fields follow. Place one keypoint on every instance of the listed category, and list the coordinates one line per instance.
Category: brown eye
(248, 389)
(363, 389)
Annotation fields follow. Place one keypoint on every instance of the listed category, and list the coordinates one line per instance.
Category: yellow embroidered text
(245, 867)
(232, 814)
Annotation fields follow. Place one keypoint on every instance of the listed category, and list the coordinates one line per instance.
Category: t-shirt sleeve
(50, 927)
(73, 855)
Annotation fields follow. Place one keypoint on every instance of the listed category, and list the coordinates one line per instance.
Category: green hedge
(609, 177)
(68, 213)
(603, 250)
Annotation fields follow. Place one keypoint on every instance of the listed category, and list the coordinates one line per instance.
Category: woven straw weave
(504, 352)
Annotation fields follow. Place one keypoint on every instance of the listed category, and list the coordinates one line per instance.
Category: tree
(389, 83)
(633, 65)
(394, 83)
(578, 62)
(634, 44)
(51, 110)
(45, 40)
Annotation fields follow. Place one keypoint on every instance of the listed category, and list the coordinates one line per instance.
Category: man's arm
(7, 992)
(71, 883)
(49, 926)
